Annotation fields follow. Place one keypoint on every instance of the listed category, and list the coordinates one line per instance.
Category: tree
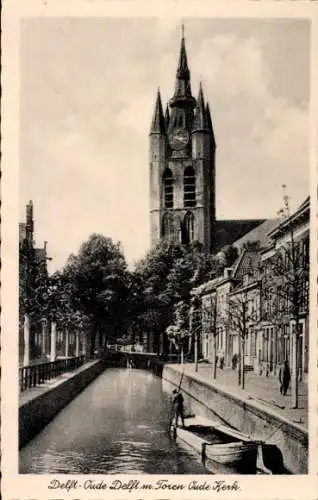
(241, 313)
(195, 327)
(32, 290)
(285, 288)
(285, 284)
(32, 281)
(165, 277)
(178, 332)
(151, 304)
(212, 320)
(96, 283)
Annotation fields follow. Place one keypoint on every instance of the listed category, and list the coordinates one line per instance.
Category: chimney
(227, 272)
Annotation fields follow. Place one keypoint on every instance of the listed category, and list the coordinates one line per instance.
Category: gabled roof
(259, 233)
(246, 263)
(229, 231)
(210, 286)
(302, 213)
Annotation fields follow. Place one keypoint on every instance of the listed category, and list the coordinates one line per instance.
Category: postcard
(159, 250)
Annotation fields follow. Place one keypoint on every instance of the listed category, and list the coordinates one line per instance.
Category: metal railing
(34, 375)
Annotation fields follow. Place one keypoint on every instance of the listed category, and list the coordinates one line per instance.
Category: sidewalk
(263, 390)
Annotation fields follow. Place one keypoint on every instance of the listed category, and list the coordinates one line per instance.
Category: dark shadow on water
(273, 459)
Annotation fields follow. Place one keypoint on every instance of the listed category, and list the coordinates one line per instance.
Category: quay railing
(34, 375)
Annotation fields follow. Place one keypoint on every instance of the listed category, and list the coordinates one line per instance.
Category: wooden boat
(222, 449)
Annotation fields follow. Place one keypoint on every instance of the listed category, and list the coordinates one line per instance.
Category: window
(168, 188)
(305, 251)
(189, 199)
(187, 229)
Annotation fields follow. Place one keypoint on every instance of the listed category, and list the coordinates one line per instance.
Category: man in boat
(177, 409)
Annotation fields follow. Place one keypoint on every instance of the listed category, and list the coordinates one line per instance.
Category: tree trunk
(239, 367)
(294, 368)
(242, 364)
(214, 357)
(182, 353)
(196, 352)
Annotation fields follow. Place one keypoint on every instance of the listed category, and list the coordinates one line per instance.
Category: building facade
(32, 273)
(251, 293)
(285, 297)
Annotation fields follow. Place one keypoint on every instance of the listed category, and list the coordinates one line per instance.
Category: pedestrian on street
(177, 409)
(221, 360)
(234, 361)
(284, 377)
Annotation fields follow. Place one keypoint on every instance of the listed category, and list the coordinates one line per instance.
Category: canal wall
(287, 443)
(38, 406)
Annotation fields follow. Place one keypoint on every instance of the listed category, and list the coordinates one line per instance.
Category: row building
(266, 291)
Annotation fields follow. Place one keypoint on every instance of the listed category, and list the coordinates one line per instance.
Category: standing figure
(177, 409)
(234, 361)
(284, 377)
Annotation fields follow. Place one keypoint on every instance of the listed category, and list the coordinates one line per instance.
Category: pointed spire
(182, 87)
(209, 124)
(183, 70)
(167, 117)
(200, 122)
(158, 120)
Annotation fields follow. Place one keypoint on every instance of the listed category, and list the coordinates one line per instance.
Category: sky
(87, 94)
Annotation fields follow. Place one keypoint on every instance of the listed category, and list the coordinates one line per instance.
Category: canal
(117, 425)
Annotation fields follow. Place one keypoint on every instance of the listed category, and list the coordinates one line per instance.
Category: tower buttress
(167, 117)
(200, 129)
(157, 160)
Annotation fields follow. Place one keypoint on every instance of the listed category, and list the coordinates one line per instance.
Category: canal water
(117, 425)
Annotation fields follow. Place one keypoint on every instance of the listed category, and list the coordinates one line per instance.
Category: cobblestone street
(264, 390)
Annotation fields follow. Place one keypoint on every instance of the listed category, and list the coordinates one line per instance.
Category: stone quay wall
(288, 440)
(38, 407)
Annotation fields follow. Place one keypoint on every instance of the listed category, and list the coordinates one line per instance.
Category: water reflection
(117, 425)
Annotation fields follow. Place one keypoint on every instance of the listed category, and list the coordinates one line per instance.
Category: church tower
(182, 169)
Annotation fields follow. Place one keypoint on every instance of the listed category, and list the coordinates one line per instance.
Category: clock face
(179, 138)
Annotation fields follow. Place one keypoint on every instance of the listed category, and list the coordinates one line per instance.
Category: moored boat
(222, 449)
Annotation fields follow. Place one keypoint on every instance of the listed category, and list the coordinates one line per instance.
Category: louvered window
(189, 198)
